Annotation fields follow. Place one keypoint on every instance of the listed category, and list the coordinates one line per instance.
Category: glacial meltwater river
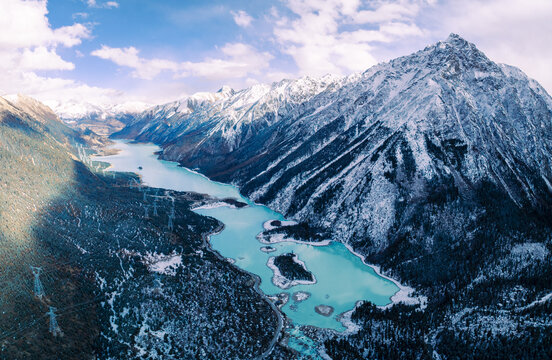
(341, 277)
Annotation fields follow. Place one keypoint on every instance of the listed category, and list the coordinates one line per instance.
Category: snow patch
(163, 264)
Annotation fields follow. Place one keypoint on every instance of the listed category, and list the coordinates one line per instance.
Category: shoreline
(402, 296)
(256, 286)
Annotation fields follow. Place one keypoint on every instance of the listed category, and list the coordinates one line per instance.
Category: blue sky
(170, 30)
(106, 52)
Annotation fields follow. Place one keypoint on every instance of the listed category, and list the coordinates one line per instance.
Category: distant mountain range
(103, 120)
(436, 165)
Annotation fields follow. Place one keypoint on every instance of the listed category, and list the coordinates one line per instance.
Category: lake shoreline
(243, 225)
(257, 282)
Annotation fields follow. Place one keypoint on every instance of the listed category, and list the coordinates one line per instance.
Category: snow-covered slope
(347, 154)
(444, 114)
(209, 124)
(102, 119)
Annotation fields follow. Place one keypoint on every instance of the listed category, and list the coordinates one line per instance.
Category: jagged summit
(457, 40)
(454, 56)
(238, 113)
(225, 89)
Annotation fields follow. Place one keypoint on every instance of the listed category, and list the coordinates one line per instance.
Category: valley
(434, 166)
(403, 212)
(103, 258)
(238, 242)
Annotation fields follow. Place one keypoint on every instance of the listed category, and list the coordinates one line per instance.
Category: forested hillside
(121, 281)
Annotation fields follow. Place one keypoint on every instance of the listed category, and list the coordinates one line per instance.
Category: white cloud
(143, 69)
(41, 58)
(25, 24)
(339, 36)
(107, 4)
(38, 58)
(237, 60)
(28, 43)
(52, 89)
(242, 18)
(386, 12)
(81, 15)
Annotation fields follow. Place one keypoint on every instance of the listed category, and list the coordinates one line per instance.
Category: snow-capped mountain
(340, 151)
(436, 166)
(218, 123)
(104, 120)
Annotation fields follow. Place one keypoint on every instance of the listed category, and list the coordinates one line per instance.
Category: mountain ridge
(453, 57)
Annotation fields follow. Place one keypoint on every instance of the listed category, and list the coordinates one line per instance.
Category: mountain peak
(225, 89)
(454, 38)
(458, 44)
(455, 54)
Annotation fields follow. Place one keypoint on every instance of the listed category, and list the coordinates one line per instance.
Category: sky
(109, 52)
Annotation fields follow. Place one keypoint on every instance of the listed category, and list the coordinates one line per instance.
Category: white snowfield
(163, 264)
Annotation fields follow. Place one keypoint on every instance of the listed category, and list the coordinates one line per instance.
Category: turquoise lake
(342, 277)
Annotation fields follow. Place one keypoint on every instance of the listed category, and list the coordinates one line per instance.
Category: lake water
(342, 277)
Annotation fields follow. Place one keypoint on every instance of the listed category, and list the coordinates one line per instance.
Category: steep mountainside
(215, 124)
(437, 166)
(354, 149)
(122, 284)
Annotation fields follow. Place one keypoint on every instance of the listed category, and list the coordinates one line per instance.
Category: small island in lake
(289, 271)
(267, 249)
(300, 296)
(234, 202)
(324, 310)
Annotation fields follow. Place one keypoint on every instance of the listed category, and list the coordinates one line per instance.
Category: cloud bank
(286, 38)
